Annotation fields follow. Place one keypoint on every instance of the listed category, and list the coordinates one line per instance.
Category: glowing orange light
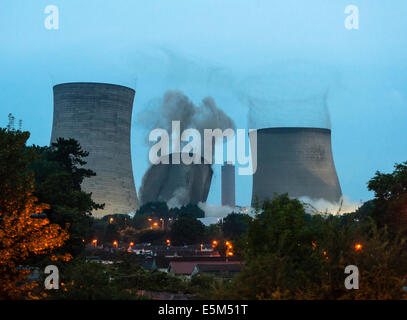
(215, 242)
(358, 246)
(227, 243)
(230, 253)
(149, 219)
(131, 244)
(115, 243)
(111, 220)
(324, 253)
(155, 224)
(168, 241)
(94, 242)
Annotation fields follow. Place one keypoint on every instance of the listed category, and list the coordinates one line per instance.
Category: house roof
(186, 267)
(217, 267)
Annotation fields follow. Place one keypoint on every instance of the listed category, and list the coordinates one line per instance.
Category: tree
(22, 234)
(390, 198)
(187, 230)
(213, 232)
(190, 208)
(235, 225)
(59, 174)
(82, 280)
(155, 237)
(294, 255)
(154, 209)
(128, 235)
(161, 210)
(278, 246)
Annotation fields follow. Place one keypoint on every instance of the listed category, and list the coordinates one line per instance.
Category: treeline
(289, 254)
(294, 255)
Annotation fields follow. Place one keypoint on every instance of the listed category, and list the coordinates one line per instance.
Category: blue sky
(266, 50)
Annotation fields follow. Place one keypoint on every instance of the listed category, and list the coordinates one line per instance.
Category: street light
(115, 244)
(111, 220)
(358, 246)
(94, 242)
(229, 249)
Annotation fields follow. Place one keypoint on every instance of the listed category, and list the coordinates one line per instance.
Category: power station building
(99, 116)
(297, 161)
(228, 185)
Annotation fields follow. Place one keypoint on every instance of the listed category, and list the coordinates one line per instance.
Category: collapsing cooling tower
(228, 185)
(297, 161)
(176, 184)
(99, 117)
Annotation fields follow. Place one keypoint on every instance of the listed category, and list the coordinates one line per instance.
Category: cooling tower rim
(294, 129)
(67, 84)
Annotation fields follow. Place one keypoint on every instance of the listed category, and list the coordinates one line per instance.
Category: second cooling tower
(297, 161)
(177, 184)
(99, 117)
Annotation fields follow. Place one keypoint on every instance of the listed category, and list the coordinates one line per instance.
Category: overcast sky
(286, 57)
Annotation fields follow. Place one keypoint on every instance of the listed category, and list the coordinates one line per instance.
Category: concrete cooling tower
(176, 184)
(99, 116)
(228, 185)
(297, 161)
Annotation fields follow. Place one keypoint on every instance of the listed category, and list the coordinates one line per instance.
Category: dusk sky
(287, 60)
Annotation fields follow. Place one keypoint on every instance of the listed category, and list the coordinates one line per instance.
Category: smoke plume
(215, 211)
(321, 206)
(176, 106)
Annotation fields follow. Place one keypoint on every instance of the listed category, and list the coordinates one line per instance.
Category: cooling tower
(297, 161)
(228, 185)
(99, 116)
(176, 184)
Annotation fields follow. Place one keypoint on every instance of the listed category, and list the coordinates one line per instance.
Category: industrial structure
(99, 116)
(297, 161)
(228, 185)
(176, 184)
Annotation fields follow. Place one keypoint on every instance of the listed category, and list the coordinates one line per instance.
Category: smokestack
(297, 161)
(228, 185)
(99, 117)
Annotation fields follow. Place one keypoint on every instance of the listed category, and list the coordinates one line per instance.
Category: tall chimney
(228, 185)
